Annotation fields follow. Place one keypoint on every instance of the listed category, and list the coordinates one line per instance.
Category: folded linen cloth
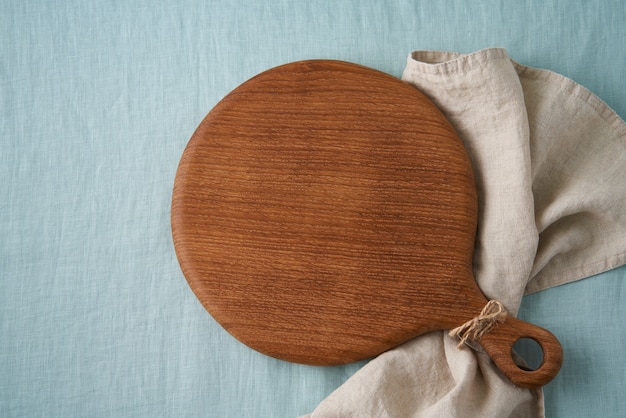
(550, 165)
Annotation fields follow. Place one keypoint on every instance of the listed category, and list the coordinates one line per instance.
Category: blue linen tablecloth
(97, 102)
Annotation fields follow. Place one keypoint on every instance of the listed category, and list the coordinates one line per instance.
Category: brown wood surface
(325, 212)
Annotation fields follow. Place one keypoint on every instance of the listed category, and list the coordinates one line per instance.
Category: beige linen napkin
(550, 165)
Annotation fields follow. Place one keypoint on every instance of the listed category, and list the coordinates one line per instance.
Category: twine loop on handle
(492, 314)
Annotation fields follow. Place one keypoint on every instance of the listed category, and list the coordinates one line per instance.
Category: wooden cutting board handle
(499, 341)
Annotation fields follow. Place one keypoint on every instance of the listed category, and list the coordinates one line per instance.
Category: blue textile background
(97, 102)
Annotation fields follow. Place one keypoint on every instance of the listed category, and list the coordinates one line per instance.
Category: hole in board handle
(527, 353)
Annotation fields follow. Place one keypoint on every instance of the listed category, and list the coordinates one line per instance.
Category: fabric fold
(549, 159)
(481, 95)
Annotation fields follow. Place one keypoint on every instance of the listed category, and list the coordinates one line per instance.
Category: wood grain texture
(325, 212)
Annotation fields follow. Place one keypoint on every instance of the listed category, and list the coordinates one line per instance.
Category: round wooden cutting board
(324, 212)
